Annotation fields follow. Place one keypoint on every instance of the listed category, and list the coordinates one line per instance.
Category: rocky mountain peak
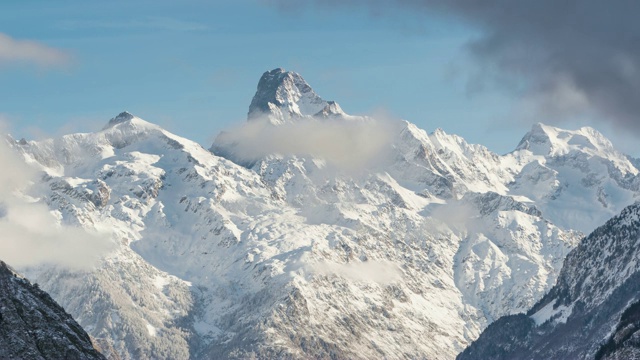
(120, 118)
(285, 96)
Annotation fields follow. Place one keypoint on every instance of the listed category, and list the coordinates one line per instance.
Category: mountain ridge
(226, 259)
(590, 312)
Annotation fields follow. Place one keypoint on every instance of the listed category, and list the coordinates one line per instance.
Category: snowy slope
(445, 165)
(288, 256)
(577, 178)
(132, 163)
(214, 263)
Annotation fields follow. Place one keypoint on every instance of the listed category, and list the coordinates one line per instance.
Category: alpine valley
(251, 249)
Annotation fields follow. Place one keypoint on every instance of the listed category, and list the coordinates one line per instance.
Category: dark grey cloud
(565, 57)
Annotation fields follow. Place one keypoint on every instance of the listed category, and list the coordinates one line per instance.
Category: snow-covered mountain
(592, 311)
(286, 255)
(34, 326)
(577, 178)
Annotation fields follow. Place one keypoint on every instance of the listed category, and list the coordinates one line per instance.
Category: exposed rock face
(284, 96)
(34, 326)
(120, 118)
(624, 342)
(591, 312)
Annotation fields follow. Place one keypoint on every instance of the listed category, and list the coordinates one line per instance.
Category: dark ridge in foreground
(34, 326)
(593, 311)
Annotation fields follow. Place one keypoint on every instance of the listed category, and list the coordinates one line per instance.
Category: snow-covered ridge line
(264, 259)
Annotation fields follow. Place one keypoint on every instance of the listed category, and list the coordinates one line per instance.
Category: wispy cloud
(347, 145)
(29, 234)
(146, 23)
(28, 52)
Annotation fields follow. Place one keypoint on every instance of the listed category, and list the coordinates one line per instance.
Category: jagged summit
(284, 96)
(120, 118)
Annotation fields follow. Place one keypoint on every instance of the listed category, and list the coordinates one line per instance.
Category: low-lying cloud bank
(30, 234)
(349, 145)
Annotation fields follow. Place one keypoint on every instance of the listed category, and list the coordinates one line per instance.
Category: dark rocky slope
(34, 326)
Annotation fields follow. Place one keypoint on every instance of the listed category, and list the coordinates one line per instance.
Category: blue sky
(192, 66)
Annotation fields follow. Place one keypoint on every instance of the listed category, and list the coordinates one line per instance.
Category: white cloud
(14, 51)
(348, 145)
(30, 234)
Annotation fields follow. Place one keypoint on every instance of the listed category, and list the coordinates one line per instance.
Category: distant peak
(549, 140)
(539, 138)
(125, 115)
(120, 118)
(332, 109)
(285, 96)
(538, 127)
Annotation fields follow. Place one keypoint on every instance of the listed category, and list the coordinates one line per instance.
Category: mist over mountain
(309, 232)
